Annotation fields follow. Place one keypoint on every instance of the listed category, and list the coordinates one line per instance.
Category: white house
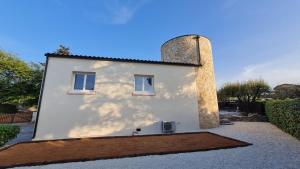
(86, 96)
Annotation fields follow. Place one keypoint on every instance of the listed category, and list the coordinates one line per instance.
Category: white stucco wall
(113, 110)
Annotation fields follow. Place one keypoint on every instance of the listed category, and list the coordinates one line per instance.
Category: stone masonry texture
(182, 49)
(187, 49)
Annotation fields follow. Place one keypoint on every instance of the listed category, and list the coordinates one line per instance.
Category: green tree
(244, 92)
(284, 91)
(229, 91)
(63, 50)
(19, 81)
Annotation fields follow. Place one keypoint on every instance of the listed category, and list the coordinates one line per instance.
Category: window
(144, 84)
(84, 82)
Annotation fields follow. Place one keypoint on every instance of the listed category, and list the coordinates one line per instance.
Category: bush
(285, 114)
(8, 132)
(246, 93)
(253, 107)
(8, 108)
(285, 91)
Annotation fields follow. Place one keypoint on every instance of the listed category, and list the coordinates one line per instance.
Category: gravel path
(271, 149)
(24, 135)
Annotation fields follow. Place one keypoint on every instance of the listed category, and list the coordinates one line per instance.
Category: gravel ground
(271, 149)
(222, 112)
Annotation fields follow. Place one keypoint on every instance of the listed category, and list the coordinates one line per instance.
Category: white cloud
(115, 11)
(122, 15)
(284, 69)
(121, 12)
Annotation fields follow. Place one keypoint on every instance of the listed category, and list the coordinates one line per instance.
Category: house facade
(85, 96)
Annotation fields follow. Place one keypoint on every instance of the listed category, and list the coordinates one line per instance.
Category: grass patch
(8, 132)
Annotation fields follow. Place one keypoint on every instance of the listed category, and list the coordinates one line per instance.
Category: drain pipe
(198, 50)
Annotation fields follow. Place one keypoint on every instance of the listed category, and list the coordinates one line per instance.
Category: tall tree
(248, 91)
(284, 91)
(63, 50)
(19, 81)
(245, 93)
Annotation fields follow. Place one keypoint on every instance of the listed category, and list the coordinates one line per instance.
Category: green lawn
(8, 132)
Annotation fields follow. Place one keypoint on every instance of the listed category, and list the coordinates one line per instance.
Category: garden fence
(22, 117)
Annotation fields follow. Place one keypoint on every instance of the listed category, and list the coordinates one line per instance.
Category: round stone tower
(197, 50)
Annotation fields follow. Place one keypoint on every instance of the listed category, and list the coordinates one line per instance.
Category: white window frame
(143, 92)
(82, 91)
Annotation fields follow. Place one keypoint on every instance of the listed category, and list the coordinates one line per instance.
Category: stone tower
(197, 49)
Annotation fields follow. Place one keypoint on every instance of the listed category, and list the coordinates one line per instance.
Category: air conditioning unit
(168, 126)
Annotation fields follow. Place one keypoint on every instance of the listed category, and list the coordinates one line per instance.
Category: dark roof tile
(117, 59)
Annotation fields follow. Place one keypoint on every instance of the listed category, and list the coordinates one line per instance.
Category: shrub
(285, 114)
(246, 93)
(253, 107)
(8, 108)
(284, 91)
(8, 132)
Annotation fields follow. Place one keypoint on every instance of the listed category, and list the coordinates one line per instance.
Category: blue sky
(251, 38)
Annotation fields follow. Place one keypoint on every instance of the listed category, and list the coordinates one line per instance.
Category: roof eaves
(117, 59)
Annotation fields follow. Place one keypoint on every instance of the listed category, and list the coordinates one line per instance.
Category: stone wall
(206, 85)
(182, 50)
(197, 50)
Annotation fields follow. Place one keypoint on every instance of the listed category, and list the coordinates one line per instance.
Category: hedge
(285, 114)
(8, 132)
(8, 108)
(256, 107)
